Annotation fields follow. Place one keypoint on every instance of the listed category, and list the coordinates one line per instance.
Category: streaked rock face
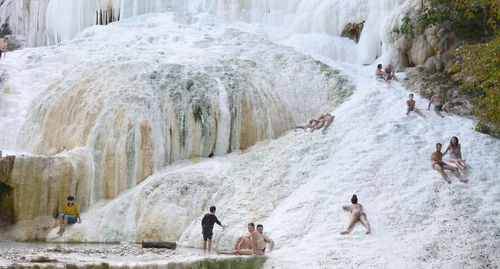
(123, 110)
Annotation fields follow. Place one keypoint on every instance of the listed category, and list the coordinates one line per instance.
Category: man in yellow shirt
(70, 215)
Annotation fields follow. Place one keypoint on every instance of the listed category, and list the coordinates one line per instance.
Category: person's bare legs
(438, 112)
(204, 245)
(440, 170)
(407, 111)
(249, 252)
(419, 112)
(63, 226)
(364, 221)
(209, 245)
(318, 126)
(455, 171)
(457, 162)
(327, 124)
(303, 127)
(354, 218)
(238, 242)
(446, 107)
(462, 163)
(57, 222)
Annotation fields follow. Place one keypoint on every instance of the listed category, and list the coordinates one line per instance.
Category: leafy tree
(479, 68)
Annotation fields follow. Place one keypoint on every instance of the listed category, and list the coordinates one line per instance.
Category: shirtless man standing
(439, 104)
(256, 241)
(312, 123)
(356, 214)
(324, 122)
(440, 166)
(411, 107)
(244, 241)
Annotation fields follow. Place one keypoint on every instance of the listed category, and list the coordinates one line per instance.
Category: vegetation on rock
(477, 64)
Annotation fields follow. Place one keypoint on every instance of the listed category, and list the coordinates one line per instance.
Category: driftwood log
(159, 244)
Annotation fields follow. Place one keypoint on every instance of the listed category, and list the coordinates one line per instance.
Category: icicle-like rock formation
(286, 21)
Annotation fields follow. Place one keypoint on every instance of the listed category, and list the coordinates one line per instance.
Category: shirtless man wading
(356, 214)
(439, 104)
(440, 166)
(256, 241)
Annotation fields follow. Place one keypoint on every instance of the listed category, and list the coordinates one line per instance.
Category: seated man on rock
(439, 104)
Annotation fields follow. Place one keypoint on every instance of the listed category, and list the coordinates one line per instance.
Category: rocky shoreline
(125, 255)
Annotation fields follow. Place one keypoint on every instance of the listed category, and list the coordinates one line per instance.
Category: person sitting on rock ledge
(70, 216)
(439, 104)
(455, 154)
(256, 240)
(411, 107)
(389, 71)
(380, 75)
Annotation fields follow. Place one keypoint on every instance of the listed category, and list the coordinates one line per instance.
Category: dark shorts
(440, 108)
(207, 233)
(71, 219)
(411, 108)
(311, 121)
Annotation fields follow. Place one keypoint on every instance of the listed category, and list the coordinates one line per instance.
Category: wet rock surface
(429, 83)
(122, 255)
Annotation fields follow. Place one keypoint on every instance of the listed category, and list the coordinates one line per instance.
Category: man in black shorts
(207, 225)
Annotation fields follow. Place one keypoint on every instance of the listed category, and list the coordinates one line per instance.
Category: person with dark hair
(439, 104)
(455, 154)
(440, 166)
(207, 226)
(243, 242)
(256, 241)
(380, 75)
(70, 216)
(324, 123)
(411, 107)
(357, 214)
